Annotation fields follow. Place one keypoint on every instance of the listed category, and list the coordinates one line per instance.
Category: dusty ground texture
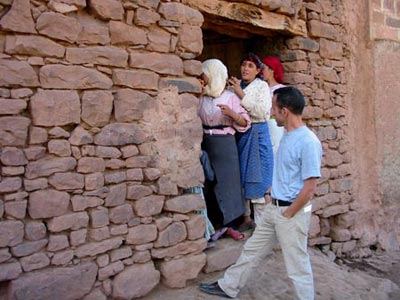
(377, 277)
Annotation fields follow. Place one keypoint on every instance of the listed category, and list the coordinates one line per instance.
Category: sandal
(247, 226)
(236, 235)
(218, 234)
(211, 244)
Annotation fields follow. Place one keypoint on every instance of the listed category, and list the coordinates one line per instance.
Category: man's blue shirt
(298, 158)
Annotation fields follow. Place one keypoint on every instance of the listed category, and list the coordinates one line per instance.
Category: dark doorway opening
(230, 49)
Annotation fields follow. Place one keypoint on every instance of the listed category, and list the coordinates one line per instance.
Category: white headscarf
(217, 74)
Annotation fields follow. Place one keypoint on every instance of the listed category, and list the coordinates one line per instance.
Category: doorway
(230, 49)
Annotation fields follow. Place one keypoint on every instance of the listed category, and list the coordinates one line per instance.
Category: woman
(254, 146)
(222, 115)
(273, 75)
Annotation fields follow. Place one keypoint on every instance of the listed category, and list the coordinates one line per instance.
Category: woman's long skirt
(224, 198)
(256, 160)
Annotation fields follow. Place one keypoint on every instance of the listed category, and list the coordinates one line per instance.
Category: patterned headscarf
(253, 58)
(274, 63)
(217, 74)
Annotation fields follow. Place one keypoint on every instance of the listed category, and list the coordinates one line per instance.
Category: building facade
(99, 133)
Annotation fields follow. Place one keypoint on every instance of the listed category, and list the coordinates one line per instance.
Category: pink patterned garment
(210, 113)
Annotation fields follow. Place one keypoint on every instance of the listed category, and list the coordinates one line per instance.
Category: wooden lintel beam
(242, 14)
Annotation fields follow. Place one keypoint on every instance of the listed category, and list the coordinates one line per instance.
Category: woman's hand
(226, 110)
(237, 118)
(235, 83)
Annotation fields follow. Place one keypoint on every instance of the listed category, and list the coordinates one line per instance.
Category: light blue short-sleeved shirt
(298, 158)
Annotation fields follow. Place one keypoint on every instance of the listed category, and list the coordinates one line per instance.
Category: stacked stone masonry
(99, 137)
(385, 20)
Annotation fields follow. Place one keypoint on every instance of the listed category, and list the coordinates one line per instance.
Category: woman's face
(203, 79)
(249, 71)
(268, 73)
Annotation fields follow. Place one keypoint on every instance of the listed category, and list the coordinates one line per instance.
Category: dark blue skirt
(256, 160)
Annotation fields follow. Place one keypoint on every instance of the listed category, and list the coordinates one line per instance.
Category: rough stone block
(116, 196)
(121, 253)
(34, 262)
(58, 283)
(183, 248)
(11, 233)
(62, 258)
(122, 33)
(73, 78)
(35, 230)
(10, 271)
(18, 18)
(107, 9)
(58, 26)
(48, 166)
(129, 105)
(95, 248)
(176, 272)
(121, 214)
(12, 106)
(13, 130)
(91, 165)
(136, 79)
(35, 184)
(47, 204)
(111, 270)
(10, 184)
(78, 237)
(80, 203)
(135, 281)
(185, 203)
(67, 181)
(17, 73)
(120, 134)
(141, 234)
(57, 242)
(69, 221)
(16, 209)
(28, 248)
(11, 156)
(178, 12)
(148, 206)
(107, 56)
(173, 234)
(33, 46)
(340, 234)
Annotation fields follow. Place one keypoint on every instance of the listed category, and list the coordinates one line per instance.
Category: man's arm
(302, 198)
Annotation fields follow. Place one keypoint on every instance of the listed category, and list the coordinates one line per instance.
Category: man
(286, 218)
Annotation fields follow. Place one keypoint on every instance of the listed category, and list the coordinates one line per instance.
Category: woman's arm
(257, 100)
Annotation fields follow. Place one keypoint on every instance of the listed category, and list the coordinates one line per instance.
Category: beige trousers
(292, 237)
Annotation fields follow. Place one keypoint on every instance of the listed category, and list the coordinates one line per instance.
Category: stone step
(224, 254)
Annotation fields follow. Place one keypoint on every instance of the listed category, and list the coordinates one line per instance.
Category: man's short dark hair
(291, 98)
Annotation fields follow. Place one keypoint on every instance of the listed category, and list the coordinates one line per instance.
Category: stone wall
(316, 64)
(99, 137)
(385, 20)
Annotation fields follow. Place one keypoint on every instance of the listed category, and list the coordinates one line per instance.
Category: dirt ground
(376, 277)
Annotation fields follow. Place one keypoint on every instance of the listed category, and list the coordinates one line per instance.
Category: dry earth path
(374, 278)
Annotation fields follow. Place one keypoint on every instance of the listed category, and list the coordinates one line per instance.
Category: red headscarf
(275, 64)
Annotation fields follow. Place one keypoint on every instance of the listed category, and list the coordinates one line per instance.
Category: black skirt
(225, 192)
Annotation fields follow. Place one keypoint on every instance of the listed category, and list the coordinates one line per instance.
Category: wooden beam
(243, 19)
